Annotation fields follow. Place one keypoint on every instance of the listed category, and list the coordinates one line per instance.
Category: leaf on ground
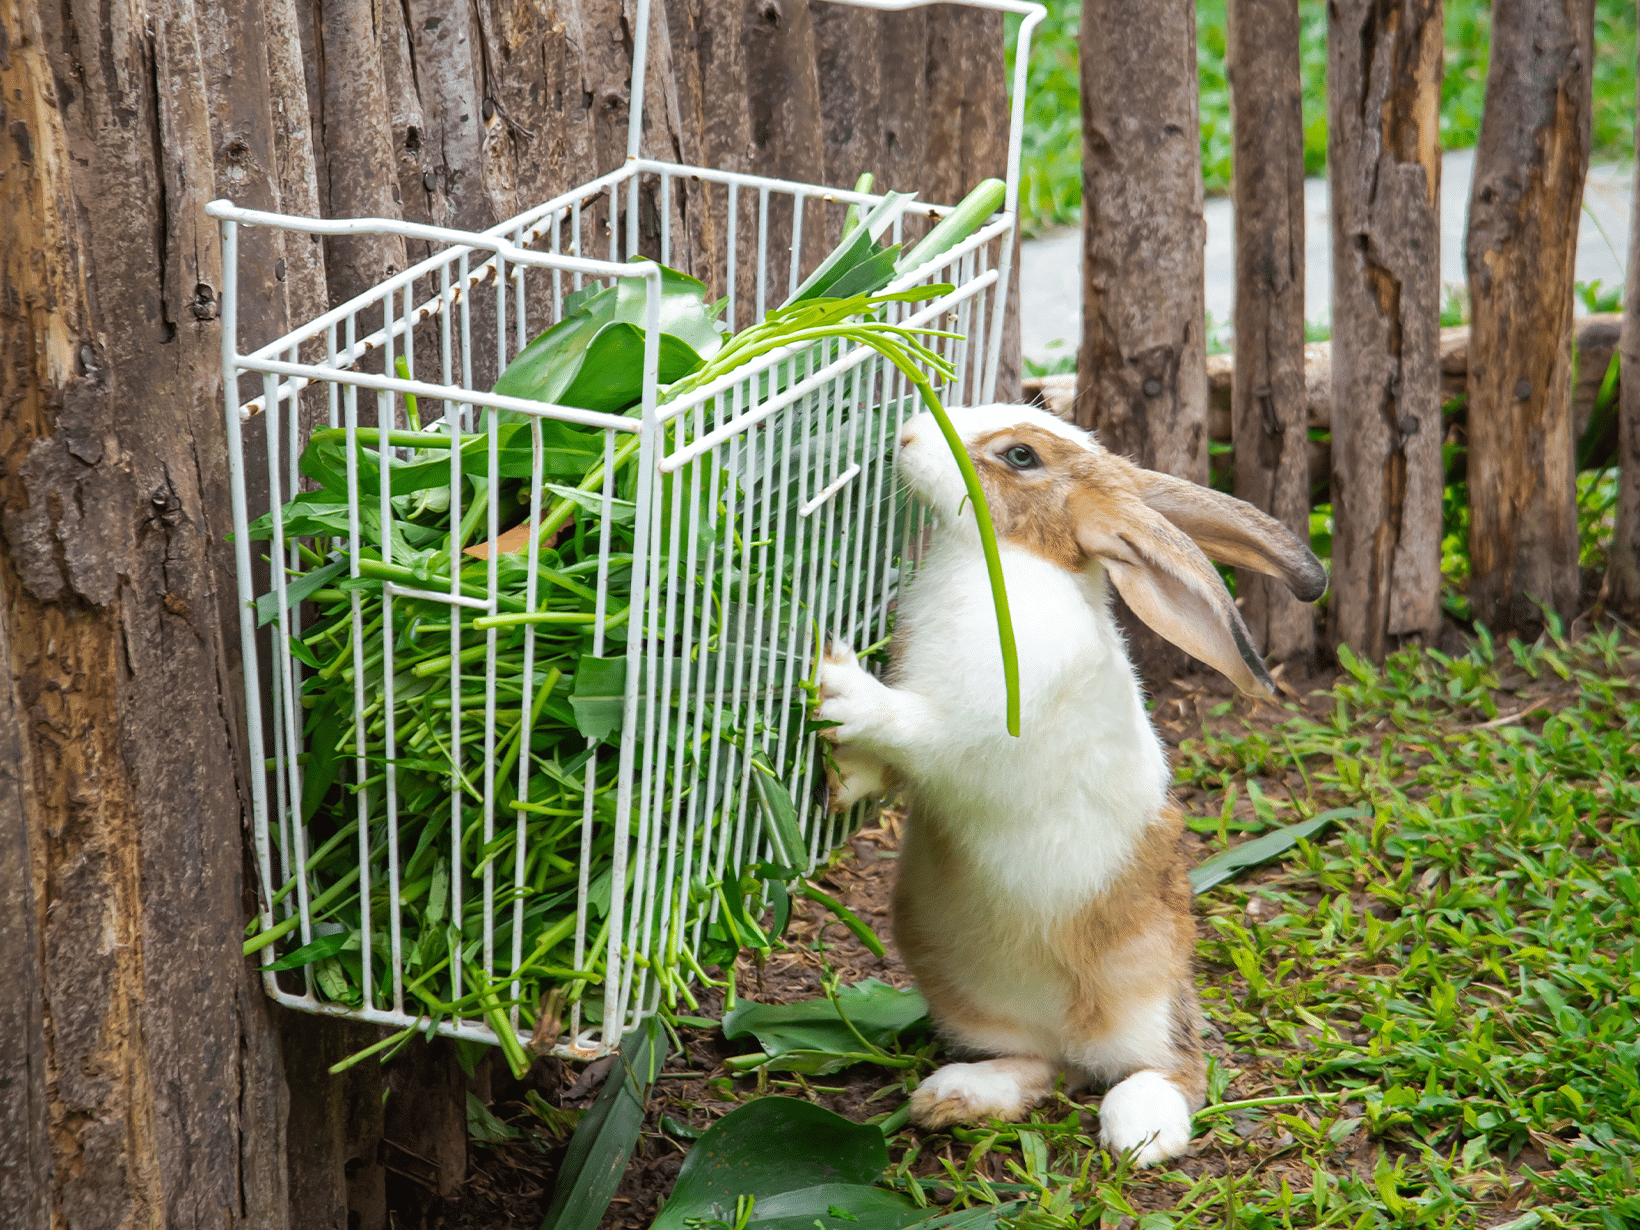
(774, 1146)
(484, 1127)
(604, 1140)
(1225, 866)
(809, 1037)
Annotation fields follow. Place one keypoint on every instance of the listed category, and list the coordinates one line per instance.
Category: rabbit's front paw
(1148, 1113)
(974, 1092)
(850, 696)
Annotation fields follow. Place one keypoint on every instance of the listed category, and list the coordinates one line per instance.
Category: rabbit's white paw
(854, 775)
(971, 1092)
(850, 696)
(1147, 1112)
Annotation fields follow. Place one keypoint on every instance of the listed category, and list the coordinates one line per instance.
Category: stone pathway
(1051, 266)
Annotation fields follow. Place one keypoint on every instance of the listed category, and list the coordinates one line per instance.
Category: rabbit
(1042, 903)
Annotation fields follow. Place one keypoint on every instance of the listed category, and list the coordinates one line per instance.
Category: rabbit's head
(1055, 491)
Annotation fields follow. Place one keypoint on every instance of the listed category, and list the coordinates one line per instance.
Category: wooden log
(1621, 589)
(1596, 341)
(1384, 91)
(1142, 366)
(1272, 469)
(1524, 207)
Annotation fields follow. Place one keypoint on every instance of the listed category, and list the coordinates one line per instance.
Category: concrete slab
(1051, 266)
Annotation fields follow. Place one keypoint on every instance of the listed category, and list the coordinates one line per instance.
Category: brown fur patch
(1031, 508)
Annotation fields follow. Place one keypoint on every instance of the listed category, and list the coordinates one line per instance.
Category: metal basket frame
(683, 447)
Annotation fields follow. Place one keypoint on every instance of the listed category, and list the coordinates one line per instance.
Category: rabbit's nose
(908, 436)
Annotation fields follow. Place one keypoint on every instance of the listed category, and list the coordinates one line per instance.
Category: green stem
(280, 929)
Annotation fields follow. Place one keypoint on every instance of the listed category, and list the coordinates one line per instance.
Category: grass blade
(1231, 862)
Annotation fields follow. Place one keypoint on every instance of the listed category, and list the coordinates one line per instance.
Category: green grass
(1431, 1018)
(1052, 177)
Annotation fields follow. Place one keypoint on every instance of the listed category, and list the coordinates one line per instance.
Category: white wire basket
(762, 513)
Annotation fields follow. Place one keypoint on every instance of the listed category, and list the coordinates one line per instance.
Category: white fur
(995, 1089)
(1148, 1113)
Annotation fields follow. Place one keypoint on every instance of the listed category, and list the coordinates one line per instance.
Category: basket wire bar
(765, 518)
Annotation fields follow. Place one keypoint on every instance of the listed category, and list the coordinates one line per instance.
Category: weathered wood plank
(1142, 366)
(1622, 584)
(1524, 205)
(1384, 83)
(1272, 468)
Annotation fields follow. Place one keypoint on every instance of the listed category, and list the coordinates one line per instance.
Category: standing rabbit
(1043, 904)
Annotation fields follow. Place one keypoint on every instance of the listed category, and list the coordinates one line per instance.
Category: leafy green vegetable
(812, 1037)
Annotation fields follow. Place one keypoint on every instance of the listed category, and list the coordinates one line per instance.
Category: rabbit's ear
(1232, 531)
(1169, 584)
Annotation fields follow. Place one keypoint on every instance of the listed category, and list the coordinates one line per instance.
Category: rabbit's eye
(1020, 457)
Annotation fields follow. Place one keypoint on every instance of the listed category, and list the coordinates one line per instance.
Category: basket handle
(1032, 14)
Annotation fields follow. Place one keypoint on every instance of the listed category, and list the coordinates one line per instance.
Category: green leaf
(811, 1035)
(622, 512)
(598, 695)
(610, 375)
(685, 314)
(321, 948)
(1225, 866)
(604, 1139)
(869, 276)
(779, 814)
(836, 1206)
(299, 590)
(973, 210)
(484, 1127)
(765, 1149)
(857, 246)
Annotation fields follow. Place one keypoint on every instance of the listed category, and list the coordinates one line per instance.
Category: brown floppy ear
(1232, 531)
(1169, 584)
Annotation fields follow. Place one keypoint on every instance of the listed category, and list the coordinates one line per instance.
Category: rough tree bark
(152, 1089)
(1530, 165)
(1142, 369)
(1384, 94)
(1268, 402)
(143, 1076)
(1622, 584)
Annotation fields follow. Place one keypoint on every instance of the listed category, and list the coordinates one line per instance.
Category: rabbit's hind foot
(1146, 1113)
(974, 1092)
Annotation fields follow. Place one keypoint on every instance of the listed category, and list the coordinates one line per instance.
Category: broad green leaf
(621, 512)
(764, 1149)
(685, 314)
(1222, 867)
(857, 245)
(811, 1037)
(598, 695)
(869, 275)
(545, 368)
(610, 377)
(606, 1135)
(836, 1206)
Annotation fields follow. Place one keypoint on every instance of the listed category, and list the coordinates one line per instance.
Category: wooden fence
(1361, 423)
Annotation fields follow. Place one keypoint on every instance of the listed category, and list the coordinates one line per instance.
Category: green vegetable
(558, 700)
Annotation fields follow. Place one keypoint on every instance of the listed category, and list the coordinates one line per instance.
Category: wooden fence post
(1523, 218)
(1268, 403)
(1142, 373)
(1622, 586)
(1384, 164)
